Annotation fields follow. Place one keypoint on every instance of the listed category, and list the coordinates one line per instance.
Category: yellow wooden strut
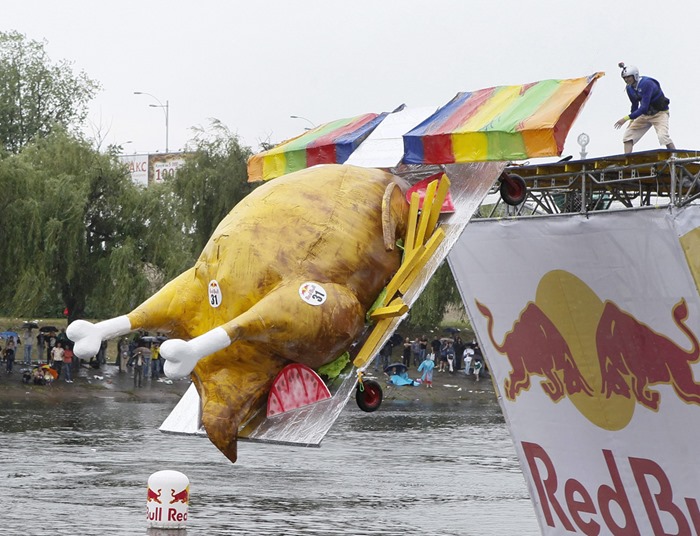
(420, 244)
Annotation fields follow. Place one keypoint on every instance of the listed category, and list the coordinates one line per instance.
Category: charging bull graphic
(181, 496)
(535, 348)
(599, 356)
(153, 496)
(239, 315)
(633, 357)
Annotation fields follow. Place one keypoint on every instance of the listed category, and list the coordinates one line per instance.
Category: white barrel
(167, 500)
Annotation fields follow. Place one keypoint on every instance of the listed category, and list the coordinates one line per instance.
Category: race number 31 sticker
(312, 293)
(214, 293)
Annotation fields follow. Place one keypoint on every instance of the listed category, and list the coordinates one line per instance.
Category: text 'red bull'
(575, 508)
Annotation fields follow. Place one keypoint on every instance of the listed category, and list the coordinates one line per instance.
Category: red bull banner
(590, 328)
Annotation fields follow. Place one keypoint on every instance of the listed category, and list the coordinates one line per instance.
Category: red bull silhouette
(632, 357)
(535, 347)
(153, 496)
(181, 496)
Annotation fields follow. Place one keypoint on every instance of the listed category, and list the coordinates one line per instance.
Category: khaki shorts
(638, 127)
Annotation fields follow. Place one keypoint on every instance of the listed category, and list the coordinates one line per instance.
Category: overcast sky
(253, 64)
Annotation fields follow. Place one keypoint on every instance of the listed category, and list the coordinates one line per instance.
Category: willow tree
(431, 306)
(86, 238)
(36, 94)
(213, 179)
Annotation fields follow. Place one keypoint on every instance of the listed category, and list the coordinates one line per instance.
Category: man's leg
(634, 132)
(660, 122)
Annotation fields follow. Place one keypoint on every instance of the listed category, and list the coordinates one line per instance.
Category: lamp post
(304, 119)
(166, 109)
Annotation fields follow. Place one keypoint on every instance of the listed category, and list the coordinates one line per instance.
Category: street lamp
(305, 119)
(166, 109)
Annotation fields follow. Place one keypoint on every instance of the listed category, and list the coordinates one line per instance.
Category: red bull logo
(181, 496)
(594, 353)
(153, 496)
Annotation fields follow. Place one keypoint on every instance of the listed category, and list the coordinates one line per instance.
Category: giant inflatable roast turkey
(287, 276)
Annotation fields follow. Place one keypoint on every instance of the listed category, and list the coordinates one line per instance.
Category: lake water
(82, 469)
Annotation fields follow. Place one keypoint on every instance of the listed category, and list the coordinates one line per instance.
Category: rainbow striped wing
(501, 123)
(331, 143)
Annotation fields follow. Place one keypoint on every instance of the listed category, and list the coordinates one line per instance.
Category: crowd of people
(440, 355)
(141, 355)
(48, 356)
(52, 359)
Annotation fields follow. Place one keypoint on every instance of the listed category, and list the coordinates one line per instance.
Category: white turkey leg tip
(182, 356)
(88, 336)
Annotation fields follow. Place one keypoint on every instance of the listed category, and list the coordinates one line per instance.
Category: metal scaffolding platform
(650, 178)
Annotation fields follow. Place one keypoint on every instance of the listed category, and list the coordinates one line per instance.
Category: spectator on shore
(423, 345)
(123, 354)
(459, 352)
(9, 354)
(442, 357)
(28, 345)
(57, 355)
(155, 362)
(478, 365)
(384, 356)
(468, 355)
(40, 345)
(51, 344)
(415, 350)
(426, 367)
(450, 356)
(406, 355)
(139, 362)
(68, 362)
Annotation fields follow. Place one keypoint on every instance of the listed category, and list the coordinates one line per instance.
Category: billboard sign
(592, 341)
(149, 169)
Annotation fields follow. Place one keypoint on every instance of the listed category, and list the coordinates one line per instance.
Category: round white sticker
(312, 293)
(214, 293)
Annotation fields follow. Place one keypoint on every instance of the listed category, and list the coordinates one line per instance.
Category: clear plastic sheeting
(308, 425)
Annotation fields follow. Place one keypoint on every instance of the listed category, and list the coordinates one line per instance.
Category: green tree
(85, 237)
(430, 307)
(37, 95)
(212, 181)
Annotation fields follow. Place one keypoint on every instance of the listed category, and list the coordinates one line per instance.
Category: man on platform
(649, 108)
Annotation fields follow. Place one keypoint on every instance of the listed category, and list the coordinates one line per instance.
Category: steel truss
(651, 178)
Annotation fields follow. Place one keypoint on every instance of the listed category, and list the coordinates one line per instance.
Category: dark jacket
(646, 97)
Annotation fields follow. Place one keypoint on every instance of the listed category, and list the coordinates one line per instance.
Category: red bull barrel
(167, 500)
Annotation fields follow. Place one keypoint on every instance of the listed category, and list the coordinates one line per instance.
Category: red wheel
(513, 189)
(369, 396)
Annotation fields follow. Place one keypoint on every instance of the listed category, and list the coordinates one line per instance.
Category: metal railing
(649, 179)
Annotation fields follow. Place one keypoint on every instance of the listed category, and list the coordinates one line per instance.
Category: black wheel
(369, 396)
(513, 189)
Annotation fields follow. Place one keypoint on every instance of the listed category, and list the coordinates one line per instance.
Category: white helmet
(629, 70)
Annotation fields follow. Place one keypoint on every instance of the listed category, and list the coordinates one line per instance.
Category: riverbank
(446, 388)
(108, 382)
(105, 382)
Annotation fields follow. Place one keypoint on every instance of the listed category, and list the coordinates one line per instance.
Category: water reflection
(82, 468)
